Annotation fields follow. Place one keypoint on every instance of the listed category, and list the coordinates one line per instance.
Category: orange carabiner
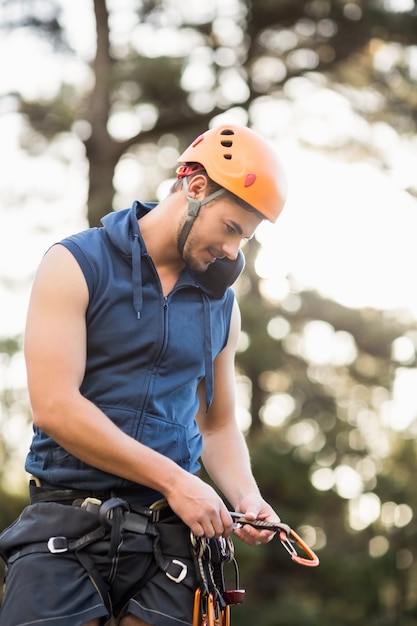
(197, 604)
(313, 559)
(226, 616)
(204, 613)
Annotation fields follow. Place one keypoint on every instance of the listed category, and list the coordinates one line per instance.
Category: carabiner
(284, 538)
(220, 616)
(203, 614)
(197, 604)
(207, 610)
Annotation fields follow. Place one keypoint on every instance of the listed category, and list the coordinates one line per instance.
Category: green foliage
(348, 587)
(11, 506)
(49, 118)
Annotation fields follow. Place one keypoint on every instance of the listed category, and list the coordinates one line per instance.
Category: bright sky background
(348, 231)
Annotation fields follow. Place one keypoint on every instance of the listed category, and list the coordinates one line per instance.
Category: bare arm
(55, 352)
(225, 456)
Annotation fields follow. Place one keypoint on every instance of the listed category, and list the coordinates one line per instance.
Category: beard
(190, 258)
(192, 262)
(188, 255)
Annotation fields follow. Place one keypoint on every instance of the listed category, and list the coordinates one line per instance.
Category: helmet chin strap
(194, 207)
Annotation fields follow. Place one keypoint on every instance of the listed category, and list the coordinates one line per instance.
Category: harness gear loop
(111, 515)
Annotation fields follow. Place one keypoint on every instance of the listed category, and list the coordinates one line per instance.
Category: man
(130, 342)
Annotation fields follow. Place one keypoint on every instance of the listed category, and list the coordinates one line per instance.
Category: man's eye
(230, 229)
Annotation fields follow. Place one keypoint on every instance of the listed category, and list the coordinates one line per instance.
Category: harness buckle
(57, 545)
(182, 573)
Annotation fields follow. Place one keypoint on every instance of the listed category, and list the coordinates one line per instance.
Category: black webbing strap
(68, 496)
(87, 562)
(58, 545)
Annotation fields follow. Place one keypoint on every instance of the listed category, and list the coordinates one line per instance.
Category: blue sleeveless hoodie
(146, 353)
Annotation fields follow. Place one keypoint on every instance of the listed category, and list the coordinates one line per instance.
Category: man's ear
(198, 186)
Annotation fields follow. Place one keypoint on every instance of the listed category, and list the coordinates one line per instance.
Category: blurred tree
(14, 415)
(166, 68)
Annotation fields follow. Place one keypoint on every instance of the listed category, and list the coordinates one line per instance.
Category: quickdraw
(212, 601)
(286, 535)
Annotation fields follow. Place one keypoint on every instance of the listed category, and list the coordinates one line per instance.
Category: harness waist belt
(92, 500)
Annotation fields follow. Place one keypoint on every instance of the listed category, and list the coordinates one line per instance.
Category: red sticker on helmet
(250, 179)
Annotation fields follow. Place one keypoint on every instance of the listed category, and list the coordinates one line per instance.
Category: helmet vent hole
(227, 156)
(227, 131)
(227, 144)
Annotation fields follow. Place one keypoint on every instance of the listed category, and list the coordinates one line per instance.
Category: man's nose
(231, 250)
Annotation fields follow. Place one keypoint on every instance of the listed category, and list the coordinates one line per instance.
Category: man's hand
(200, 507)
(253, 507)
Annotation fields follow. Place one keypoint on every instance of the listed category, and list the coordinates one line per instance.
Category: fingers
(213, 524)
(201, 508)
(254, 537)
(255, 508)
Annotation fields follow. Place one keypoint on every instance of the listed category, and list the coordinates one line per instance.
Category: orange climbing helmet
(240, 161)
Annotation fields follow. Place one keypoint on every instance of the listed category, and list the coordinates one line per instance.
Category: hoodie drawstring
(136, 266)
(208, 352)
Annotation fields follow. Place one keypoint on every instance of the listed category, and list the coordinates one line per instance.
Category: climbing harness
(89, 520)
(79, 529)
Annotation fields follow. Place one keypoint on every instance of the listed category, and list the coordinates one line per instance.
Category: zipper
(155, 365)
(164, 339)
